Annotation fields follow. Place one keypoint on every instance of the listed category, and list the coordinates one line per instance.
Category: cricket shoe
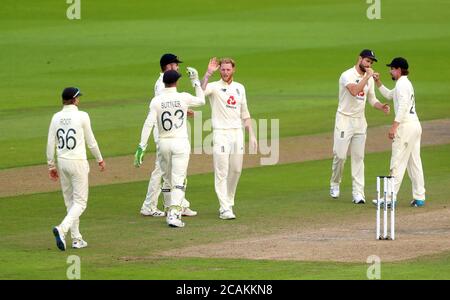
(60, 239)
(417, 203)
(152, 212)
(358, 199)
(334, 192)
(227, 214)
(78, 244)
(186, 211)
(389, 203)
(174, 218)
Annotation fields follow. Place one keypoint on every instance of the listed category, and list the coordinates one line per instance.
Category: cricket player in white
(70, 129)
(167, 62)
(168, 112)
(229, 111)
(405, 131)
(356, 85)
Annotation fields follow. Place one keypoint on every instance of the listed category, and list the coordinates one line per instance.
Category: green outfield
(125, 245)
(289, 53)
(289, 56)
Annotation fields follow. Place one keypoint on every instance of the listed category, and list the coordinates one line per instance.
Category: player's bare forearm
(252, 137)
(205, 80)
(376, 78)
(382, 107)
(213, 66)
(355, 89)
(393, 130)
(248, 126)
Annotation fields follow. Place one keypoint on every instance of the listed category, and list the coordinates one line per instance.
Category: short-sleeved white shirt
(228, 104)
(354, 106)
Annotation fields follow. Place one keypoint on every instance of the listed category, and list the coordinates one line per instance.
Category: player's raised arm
(387, 93)
(356, 88)
(199, 98)
(213, 66)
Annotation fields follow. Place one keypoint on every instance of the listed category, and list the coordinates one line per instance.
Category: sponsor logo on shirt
(231, 102)
(361, 95)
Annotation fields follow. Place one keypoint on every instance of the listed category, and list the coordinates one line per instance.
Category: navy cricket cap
(399, 62)
(171, 76)
(70, 93)
(368, 53)
(168, 58)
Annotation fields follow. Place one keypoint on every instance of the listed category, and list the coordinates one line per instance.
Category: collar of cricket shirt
(225, 83)
(170, 90)
(356, 72)
(70, 107)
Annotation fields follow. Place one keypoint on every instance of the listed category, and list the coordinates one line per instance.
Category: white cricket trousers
(173, 157)
(228, 150)
(154, 188)
(406, 156)
(74, 176)
(349, 131)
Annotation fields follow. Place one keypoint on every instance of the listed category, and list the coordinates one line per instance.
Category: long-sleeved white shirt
(354, 106)
(159, 85)
(70, 130)
(168, 112)
(404, 101)
(228, 104)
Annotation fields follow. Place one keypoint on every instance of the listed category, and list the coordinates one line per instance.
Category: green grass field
(289, 56)
(115, 230)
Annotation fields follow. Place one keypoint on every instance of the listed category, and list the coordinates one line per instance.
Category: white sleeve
(387, 93)
(245, 114)
(371, 97)
(403, 97)
(90, 138)
(345, 79)
(209, 89)
(198, 100)
(51, 144)
(149, 123)
(159, 86)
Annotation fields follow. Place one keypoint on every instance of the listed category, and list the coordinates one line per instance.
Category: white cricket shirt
(168, 112)
(354, 106)
(70, 130)
(404, 100)
(159, 85)
(228, 104)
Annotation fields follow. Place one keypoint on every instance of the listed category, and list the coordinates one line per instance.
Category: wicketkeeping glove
(139, 156)
(193, 75)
